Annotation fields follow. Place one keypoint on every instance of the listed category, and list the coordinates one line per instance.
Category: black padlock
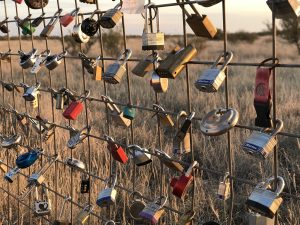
(85, 185)
(3, 26)
(90, 26)
(37, 21)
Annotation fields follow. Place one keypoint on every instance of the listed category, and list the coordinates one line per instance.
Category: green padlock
(129, 112)
(27, 28)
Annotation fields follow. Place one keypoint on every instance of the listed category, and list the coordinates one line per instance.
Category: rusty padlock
(50, 26)
(75, 108)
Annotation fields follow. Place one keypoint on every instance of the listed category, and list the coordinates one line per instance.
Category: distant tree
(290, 31)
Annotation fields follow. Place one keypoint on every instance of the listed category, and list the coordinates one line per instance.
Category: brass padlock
(224, 188)
(77, 33)
(284, 8)
(150, 40)
(257, 219)
(169, 162)
(145, 65)
(164, 118)
(111, 17)
(84, 215)
(50, 26)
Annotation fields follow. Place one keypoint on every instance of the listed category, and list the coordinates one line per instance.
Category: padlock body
(129, 113)
(224, 190)
(284, 9)
(120, 120)
(97, 73)
(88, 1)
(36, 178)
(142, 158)
(114, 73)
(210, 80)
(259, 144)
(110, 18)
(4, 29)
(143, 67)
(85, 186)
(152, 212)
(136, 208)
(202, 26)
(27, 61)
(118, 153)
(73, 110)
(27, 28)
(42, 208)
(107, 197)
(257, 219)
(160, 85)
(37, 21)
(166, 120)
(181, 185)
(47, 30)
(66, 20)
(153, 41)
(59, 101)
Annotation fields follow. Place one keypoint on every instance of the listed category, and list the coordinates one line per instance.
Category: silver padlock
(11, 141)
(137, 205)
(54, 61)
(27, 59)
(42, 206)
(211, 79)
(153, 211)
(257, 219)
(115, 112)
(139, 157)
(284, 8)
(75, 164)
(164, 118)
(40, 61)
(84, 215)
(261, 144)
(78, 137)
(77, 33)
(152, 41)
(168, 161)
(266, 202)
(31, 93)
(108, 196)
(224, 188)
(116, 71)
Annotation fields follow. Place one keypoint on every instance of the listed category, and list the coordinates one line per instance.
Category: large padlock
(257, 219)
(129, 112)
(181, 184)
(224, 188)
(75, 108)
(31, 92)
(200, 24)
(116, 151)
(11, 141)
(108, 196)
(175, 62)
(186, 218)
(77, 33)
(42, 207)
(37, 21)
(139, 155)
(284, 8)
(90, 26)
(53, 61)
(36, 4)
(115, 112)
(145, 65)
(261, 144)
(75, 164)
(150, 40)
(84, 215)
(211, 79)
(137, 205)
(266, 202)
(111, 17)
(3, 26)
(78, 137)
(153, 211)
(60, 221)
(68, 18)
(40, 61)
(27, 59)
(164, 117)
(89, 1)
(168, 161)
(50, 26)
(116, 71)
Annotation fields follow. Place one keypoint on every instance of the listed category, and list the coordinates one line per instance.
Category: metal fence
(13, 215)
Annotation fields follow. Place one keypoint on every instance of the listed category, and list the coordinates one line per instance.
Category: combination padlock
(36, 4)
(40, 61)
(11, 141)
(116, 71)
(90, 26)
(261, 144)
(60, 221)
(181, 184)
(77, 33)
(129, 112)
(116, 151)
(224, 188)
(75, 108)
(139, 155)
(42, 207)
(89, 1)
(175, 62)
(50, 26)
(85, 184)
(153, 211)
(211, 79)
(150, 40)
(53, 61)
(257, 219)
(168, 161)
(111, 17)
(31, 92)
(84, 215)
(3, 27)
(164, 117)
(107, 196)
(186, 218)
(37, 21)
(284, 8)
(75, 164)
(137, 205)
(145, 66)
(266, 202)
(78, 137)
(68, 18)
(27, 59)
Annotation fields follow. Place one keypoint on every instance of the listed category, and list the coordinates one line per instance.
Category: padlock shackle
(133, 194)
(180, 115)
(162, 153)
(226, 57)
(118, 6)
(66, 199)
(191, 116)
(280, 184)
(114, 182)
(146, 24)
(108, 138)
(133, 148)
(55, 17)
(226, 177)
(109, 222)
(278, 127)
(85, 95)
(3, 21)
(75, 12)
(127, 54)
(88, 208)
(61, 55)
(263, 63)
(192, 6)
(190, 169)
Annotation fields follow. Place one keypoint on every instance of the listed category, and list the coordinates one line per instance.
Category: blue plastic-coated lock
(129, 112)
(27, 159)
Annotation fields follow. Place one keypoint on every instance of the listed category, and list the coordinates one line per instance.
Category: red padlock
(18, 1)
(180, 185)
(68, 18)
(117, 152)
(75, 108)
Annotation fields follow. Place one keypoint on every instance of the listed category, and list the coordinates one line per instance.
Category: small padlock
(261, 144)
(27, 59)
(78, 137)
(85, 184)
(60, 221)
(129, 112)
(42, 207)
(115, 71)
(164, 118)
(11, 141)
(257, 219)
(84, 215)
(3, 26)
(224, 188)
(77, 33)
(169, 162)
(40, 61)
(31, 93)
(89, 1)
(68, 18)
(284, 8)
(153, 211)
(53, 61)
(75, 164)
(264, 201)
(137, 205)
(175, 62)
(90, 26)
(116, 151)
(36, 4)
(50, 26)
(150, 40)
(139, 155)
(159, 85)
(75, 108)
(145, 65)
(211, 79)
(111, 17)
(186, 218)
(37, 21)
(107, 196)
(181, 185)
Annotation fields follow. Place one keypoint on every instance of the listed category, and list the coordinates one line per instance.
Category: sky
(247, 15)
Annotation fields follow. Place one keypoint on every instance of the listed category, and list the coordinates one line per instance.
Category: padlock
(137, 205)
(116, 151)
(159, 85)
(110, 222)
(90, 26)
(107, 196)
(115, 71)
(264, 201)
(68, 18)
(23, 23)
(175, 62)
(18, 1)
(111, 17)
(50, 26)
(153, 211)
(8, 86)
(42, 207)
(3, 26)
(115, 112)
(129, 112)
(183, 134)
(43, 127)
(89, 1)
(224, 188)
(168, 161)
(145, 65)
(36, 4)
(181, 184)
(27, 59)
(75, 108)
(261, 144)
(60, 221)
(186, 218)
(77, 33)
(75, 164)
(78, 137)
(92, 66)
(3, 167)
(139, 155)
(164, 118)
(150, 40)
(200, 24)
(85, 184)
(84, 215)
(209, 3)
(284, 8)
(211, 79)
(257, 219)
(37, 21)
(31, 93)
(62, 97)
(219, 121)
(53, 61)
(40, 61)
(11, 141)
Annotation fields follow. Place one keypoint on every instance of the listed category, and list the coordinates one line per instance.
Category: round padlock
(89, 26)
(36, 4)
(219, 121)
(137, 205)
(27, 159)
